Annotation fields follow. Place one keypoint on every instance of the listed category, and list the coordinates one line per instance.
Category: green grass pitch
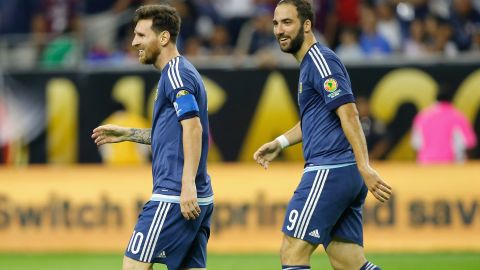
(400, 261)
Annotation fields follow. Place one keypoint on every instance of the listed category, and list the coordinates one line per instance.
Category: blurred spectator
(410, 10)
(388, 25)
(440, 8)
(334, 15)
(189, 16)
(463, 19)
(16, 21)
(193, 47)
(349, 49)
(374, 130)
(441, 133)
(52, 32)
(325, 19)
(430, 29)
(415, 46)
(55, 26)
(257, 33)
(101, 20)
(16, 16)
(208, 17)
(442, 43)
(236, 13)
(219, 42)
(372, 43)
(475, 48)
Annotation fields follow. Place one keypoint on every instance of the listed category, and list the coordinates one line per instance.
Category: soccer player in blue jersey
(326, 207)
(174, 225)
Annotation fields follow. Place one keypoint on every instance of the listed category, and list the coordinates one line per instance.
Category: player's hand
(267, 152)
(379, 188)
(109, 134)
(188, 202)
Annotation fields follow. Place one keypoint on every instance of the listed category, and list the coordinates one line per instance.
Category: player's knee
(130, 264)
(345, 255)
(295, 252)
(127, 264)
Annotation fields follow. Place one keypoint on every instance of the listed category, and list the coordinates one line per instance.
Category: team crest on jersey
(330, 85)
(182, 93)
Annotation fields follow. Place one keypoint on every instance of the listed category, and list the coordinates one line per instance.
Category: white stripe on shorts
(158, 219)
(154, 220)
(158, 231)
(317, 183)
(315, 204)
(307, 202)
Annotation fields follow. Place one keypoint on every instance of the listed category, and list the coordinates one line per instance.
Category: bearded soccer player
(174, 226)
(326, 207)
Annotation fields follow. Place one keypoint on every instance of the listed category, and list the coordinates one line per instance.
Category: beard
(296, 42)
(150, 56)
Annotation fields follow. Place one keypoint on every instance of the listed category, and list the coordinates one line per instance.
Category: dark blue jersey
(324, 86)
(180, 95)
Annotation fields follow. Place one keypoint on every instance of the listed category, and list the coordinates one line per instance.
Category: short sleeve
(180, 90)
(332, 82)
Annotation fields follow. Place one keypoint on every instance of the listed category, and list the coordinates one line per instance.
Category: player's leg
(345, 248)
(196, 257)
(295, 253)
(131, 264)
(344, 255)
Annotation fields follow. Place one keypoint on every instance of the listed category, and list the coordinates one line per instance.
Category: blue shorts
(163, 235)
(327, 204)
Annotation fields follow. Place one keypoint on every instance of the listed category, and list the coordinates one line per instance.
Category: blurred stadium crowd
(67, 33)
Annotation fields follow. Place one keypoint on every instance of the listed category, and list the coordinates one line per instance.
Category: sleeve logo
(330, 85)
(182, 93)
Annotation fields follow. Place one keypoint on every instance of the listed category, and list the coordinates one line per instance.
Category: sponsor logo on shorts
(162, 255)
(314, 233)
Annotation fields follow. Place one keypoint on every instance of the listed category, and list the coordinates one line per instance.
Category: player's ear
(307, 26)
(164, 38)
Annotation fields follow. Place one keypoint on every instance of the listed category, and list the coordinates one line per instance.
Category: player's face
(146, 42)
(287, 28)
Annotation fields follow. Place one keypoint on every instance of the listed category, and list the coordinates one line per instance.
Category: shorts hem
(308, 241)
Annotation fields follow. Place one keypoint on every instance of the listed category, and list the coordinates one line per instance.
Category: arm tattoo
(141, 135)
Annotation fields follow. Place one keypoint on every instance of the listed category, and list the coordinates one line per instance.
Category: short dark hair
(164, 18)
(304, 9)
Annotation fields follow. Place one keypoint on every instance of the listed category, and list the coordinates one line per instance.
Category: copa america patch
(330, 85)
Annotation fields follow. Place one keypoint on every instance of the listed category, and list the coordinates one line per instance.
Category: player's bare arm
(269, 151)
(114, 134)
(140, 135)
(192, 148)
(352, 128)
